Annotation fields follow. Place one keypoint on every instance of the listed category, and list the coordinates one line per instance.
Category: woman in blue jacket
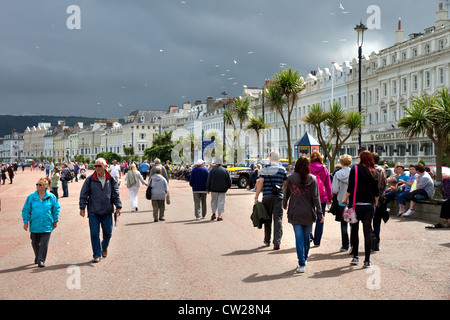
(40, 214)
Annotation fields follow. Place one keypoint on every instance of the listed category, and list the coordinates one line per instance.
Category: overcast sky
(150, 54)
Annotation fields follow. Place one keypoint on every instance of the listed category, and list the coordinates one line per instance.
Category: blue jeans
(65, 188)
(106, 222)
(302, 242)
(401, 197)
(318, 230)
(55, 192)
(391, 195)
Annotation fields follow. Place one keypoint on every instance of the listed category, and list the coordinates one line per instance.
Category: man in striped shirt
(271, 182)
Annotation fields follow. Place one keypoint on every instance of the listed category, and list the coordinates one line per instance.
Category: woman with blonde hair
(340, 186)
(40, 213)
(133, 181)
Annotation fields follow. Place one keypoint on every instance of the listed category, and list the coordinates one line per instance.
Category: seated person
(406, 188)
(393, 189)
(425, 188)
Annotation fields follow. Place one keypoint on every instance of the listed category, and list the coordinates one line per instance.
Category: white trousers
(133, 191)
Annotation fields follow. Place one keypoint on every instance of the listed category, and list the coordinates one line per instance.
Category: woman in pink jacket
(326, 196)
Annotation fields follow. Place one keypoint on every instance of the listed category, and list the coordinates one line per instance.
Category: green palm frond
(420, 116)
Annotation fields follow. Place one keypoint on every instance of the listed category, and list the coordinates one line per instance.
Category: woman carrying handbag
(365, 199)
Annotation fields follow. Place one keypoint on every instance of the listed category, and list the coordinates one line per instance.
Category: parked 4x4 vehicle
(241, 173)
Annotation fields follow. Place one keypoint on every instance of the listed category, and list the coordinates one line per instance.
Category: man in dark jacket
(100, 193)
(219, 181)
(197, 181)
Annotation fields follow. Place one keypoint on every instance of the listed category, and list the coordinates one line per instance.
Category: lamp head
(360, 29)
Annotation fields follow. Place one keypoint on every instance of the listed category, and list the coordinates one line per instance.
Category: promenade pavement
(185, 259)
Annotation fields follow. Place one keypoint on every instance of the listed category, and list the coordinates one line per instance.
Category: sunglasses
(39, 185)
(98, 166)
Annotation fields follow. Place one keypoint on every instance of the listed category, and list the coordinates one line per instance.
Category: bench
(421, 199)
(428, 210)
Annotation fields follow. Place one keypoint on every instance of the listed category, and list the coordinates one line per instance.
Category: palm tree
(242, 110)
(429, 115)
(258, 124)
(228, 118)
(341, 126)
(283, 91)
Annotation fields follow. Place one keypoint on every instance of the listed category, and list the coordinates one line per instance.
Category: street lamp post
(261, 156)
(360, 29)
(132, 138)
(224, 94)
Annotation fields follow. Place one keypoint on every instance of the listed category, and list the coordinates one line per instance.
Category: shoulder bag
(148, 193)
(349, 214)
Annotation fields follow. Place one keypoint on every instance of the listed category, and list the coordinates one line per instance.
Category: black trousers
(39, 242)
(274, 207)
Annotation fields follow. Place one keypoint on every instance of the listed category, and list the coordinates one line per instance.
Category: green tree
(242, 110)
(429, 115)
(109, 156)
(341, 126)
(229, 120)
(161, 148)
(282, 95)
(258, 124)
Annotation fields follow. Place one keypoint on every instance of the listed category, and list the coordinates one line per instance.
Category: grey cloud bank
(151, 54)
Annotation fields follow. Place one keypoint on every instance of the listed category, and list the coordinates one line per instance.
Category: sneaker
(400, 213)
(366, 264)
(343, 249)
(300, 269)
(354, 261)
(267, 243)
(408, 213)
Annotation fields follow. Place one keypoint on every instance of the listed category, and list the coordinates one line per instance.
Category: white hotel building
(390, 78)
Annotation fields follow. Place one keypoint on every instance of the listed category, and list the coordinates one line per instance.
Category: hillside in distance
(20, 123)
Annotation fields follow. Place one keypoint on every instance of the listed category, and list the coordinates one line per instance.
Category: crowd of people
(305, 191)
(8, 170)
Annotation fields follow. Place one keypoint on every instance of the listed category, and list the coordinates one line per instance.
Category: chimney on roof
(399, 33)
(172, 109)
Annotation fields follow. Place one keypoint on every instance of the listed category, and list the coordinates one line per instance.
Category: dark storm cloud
(155, 53)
